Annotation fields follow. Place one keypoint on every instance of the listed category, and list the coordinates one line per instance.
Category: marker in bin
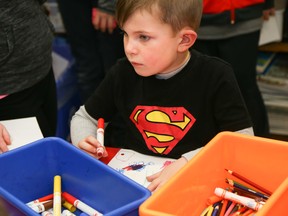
(80, 205)
(100, 137)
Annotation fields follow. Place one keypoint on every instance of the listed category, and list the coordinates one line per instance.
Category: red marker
(42, 199)
(100, 137)
(80, 205)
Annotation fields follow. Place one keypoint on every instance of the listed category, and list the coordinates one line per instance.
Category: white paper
(22, 131)
(272, 29)
(138, 166)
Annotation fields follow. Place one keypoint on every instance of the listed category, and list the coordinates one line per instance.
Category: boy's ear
(187, 39)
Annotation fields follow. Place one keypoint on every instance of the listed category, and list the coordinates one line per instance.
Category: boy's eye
(144, 37)
(122, 32)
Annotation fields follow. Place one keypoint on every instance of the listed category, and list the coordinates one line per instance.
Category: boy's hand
(103, 21)
(90, 145)
(4, 139)
(160, 178)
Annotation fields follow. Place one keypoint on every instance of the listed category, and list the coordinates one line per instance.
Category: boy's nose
(129, 47)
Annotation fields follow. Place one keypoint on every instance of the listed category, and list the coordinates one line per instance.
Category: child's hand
(4, 139)
(159, 179)
(90, 145)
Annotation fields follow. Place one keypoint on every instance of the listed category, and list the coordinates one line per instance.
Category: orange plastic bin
(264, 161)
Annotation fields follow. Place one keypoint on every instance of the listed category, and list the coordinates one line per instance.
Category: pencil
(248, 212)
(210, 211)
(224, 206)
(247, 189)
(205, 211)
(215, 211)
(249, 182)
(228, 211)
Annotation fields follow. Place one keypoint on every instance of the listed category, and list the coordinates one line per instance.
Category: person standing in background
(94, 38)
(230, 30)
(27, 84)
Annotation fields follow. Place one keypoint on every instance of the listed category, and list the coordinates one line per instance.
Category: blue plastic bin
(27, 173)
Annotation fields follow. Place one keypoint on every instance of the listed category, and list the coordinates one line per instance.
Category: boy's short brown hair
(177, 13)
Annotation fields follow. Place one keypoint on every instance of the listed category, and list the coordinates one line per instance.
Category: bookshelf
(275, 47)
(275, 97)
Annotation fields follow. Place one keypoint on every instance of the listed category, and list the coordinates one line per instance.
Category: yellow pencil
(211, 208)
(57, 196)
(205, 211)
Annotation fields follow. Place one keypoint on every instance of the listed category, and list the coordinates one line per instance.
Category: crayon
(57, 196)
(100, 137)
(80, 205)
(249, 182)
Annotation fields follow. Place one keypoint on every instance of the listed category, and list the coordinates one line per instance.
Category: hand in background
(103, 21)
(90, 145)
(160, 178)
(4, 139)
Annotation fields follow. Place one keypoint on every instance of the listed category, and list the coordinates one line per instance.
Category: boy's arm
(84, 133)
(82, 126)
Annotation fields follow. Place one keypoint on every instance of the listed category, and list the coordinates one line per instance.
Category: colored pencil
(245, 188)
(228, 211)
(224, 206)
(249, 182)
(248, 212)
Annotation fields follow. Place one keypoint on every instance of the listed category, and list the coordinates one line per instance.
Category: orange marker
(100, 137)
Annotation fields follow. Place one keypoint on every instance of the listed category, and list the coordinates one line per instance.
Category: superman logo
(162, 127)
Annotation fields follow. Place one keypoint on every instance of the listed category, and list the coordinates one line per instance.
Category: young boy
(172, 101)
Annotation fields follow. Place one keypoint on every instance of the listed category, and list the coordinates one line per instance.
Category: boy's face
(150, 45)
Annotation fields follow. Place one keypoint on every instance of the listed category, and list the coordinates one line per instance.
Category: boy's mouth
(135, 64)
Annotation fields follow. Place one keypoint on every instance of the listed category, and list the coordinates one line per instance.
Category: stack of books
(273, 83)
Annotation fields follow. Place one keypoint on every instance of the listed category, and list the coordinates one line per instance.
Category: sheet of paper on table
(138, 166)
(22, 131)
